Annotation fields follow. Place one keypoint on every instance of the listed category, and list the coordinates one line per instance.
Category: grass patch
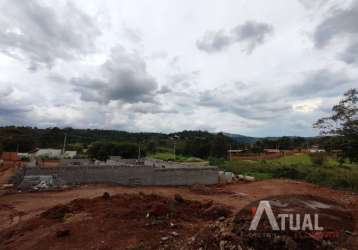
(259, 176)
(298, 167)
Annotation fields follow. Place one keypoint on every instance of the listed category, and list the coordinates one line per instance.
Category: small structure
(270, 151)
(22, 156)
(245, 154)
(52, 153)
(48, 153)
(316, 149)
(115, 158)
(69, 154)
(233, 153)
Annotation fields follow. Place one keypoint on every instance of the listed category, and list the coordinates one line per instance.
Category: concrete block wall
(185, 176)
(129, 175)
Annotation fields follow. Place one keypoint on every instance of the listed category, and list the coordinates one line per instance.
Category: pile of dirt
(127, 221)
(140, 221)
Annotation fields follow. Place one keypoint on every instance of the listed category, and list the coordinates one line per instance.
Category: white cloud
(307, 106)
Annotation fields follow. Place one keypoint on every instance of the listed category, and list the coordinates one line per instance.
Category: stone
(175, 234)
(165, 238)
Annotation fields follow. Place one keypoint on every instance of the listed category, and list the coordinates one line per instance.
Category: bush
(290, 172)
(25, 158)
(213, 161)
(102, 150)
(318, 158)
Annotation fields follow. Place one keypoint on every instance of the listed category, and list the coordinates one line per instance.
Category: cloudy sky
(254, 67)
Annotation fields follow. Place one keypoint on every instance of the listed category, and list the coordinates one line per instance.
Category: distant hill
(24, 139)
(242, 138)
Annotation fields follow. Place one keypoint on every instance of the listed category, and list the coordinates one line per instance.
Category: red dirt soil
(117, 222)
(139, 217)
(7, 170)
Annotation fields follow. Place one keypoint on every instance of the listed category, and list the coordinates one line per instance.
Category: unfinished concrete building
(122, 172)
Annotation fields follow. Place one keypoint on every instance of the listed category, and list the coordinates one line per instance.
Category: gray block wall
(129, 175)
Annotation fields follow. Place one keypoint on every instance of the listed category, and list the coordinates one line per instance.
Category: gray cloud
(11, 110)
(36, 32)
(250, 34)
(254, 104)
(350, 54)
(341, 24)
(132, 35)
(150, 108)
(164, 90)
(183, 79)
(309, 4)
(57, 78)
(125, 79)
(214, 41)
(322, 82)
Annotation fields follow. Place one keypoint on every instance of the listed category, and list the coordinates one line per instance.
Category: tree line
(339, 132)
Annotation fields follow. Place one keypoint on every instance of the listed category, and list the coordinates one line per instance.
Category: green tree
(152, 146)
(343, 123)
(103, 150)
(220, 146)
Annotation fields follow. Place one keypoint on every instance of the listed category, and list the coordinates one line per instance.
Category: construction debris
(6, 186)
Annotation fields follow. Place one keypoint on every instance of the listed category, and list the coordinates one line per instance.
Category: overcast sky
(254, 67)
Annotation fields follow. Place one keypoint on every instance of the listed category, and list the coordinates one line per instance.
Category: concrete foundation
(128, 175)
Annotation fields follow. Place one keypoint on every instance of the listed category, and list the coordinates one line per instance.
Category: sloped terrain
(216, 217)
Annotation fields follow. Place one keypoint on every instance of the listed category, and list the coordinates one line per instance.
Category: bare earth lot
(140, 217)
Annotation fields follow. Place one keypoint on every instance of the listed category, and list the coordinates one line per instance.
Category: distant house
(316, 149)
(272, 151)
(70, 154)
(23, 155)
(48, 152)
(115, 158)
(53, 153)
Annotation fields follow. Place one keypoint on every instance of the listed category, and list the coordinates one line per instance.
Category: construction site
(148, 204)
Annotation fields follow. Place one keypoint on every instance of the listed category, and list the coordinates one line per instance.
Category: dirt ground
(148, 217)
(7, 170)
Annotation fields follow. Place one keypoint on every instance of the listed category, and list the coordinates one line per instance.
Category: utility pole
(230, 153)
(174, 151)
(139, 151)
(64, 145)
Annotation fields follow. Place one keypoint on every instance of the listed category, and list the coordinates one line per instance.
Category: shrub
(290, 172)
(213, 161)
(102, 150)
(319, 158)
